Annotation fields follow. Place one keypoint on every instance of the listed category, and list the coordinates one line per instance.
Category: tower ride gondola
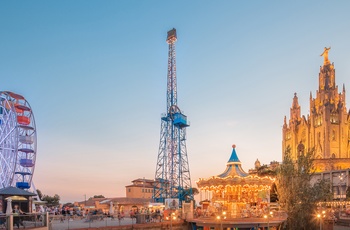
(172, 177)
(17, 141)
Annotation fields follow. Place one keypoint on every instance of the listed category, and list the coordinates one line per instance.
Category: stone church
(326, 130)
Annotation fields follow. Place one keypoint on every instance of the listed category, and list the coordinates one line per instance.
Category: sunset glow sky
(94, 73)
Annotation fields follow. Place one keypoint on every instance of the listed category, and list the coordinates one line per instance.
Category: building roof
(14, 191)
(119, 200)
(128, 200)
(233, 167)
(140, 185)
(143, 180)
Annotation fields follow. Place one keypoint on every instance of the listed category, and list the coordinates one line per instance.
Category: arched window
(301, 148)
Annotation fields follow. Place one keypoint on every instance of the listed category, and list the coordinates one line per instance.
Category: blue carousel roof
(234, 157)
(233, 167)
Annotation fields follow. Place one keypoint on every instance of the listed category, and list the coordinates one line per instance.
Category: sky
(94, 73)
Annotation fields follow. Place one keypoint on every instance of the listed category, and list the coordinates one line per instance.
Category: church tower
(326, 129)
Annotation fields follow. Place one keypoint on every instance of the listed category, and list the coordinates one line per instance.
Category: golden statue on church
(325, 55)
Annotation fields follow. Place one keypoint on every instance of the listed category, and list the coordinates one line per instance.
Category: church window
(288, 135)
(318, 120)
(334, 118)
(333, 135)
(333, 155)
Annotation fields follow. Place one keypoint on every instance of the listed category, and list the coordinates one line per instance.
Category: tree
(195, 191)
(99, 196)
(295, 192)
(266, 171)
(185, 193)
(263, 171)
(51, 200)
(69, 204)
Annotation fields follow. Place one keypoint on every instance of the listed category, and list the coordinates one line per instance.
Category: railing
(100, 221)
(88, 221)
(32, 221)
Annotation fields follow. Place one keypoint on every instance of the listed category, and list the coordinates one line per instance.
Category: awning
(16, 198)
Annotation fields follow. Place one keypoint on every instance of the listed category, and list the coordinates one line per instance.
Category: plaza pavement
(82, 223)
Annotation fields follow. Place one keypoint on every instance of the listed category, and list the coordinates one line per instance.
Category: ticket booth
(20, 197)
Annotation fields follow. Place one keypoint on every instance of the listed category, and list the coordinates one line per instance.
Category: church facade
(326, 130)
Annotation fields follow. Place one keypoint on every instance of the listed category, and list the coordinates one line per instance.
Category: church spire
(295, 110)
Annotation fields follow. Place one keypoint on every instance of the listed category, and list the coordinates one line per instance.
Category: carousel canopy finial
(234, 157)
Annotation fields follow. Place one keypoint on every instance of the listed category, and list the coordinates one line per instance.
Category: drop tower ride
(172, 177)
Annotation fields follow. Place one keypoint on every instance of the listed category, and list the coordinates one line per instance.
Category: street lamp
(172, 217)
(268, 224)
(220, 217)
(341, 178)
(219, 220)
(319, 217)
(268, 219)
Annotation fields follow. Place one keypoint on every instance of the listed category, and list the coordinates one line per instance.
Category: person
(17, 220)
(17, 210)
(174, 204)
(2, 219)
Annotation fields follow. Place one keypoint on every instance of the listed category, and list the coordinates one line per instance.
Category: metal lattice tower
(172, 171)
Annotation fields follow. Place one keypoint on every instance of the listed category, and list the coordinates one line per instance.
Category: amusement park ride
(17, 141)
(172, 177)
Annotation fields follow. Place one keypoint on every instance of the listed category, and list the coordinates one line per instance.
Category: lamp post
(323, 216)
(268, 219)
(219, 220)
(220, 217)
(319, 217)
(341, 179)
(224, 217)
(172, 217)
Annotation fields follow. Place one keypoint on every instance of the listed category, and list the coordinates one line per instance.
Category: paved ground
(75, 224)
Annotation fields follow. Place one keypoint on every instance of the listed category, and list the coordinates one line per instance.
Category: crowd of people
(150, 215)
(67, 213)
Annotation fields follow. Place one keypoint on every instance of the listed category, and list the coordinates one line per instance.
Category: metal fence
(32, 221)
(60, 222)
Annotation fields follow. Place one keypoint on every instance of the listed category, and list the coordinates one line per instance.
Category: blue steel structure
(172, 177)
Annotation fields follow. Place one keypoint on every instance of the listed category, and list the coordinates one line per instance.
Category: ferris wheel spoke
(5, 161)
(3, 139)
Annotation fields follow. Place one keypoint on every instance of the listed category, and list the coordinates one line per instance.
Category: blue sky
(94, 73)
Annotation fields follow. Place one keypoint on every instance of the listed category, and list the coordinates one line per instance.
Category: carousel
(235, 192)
